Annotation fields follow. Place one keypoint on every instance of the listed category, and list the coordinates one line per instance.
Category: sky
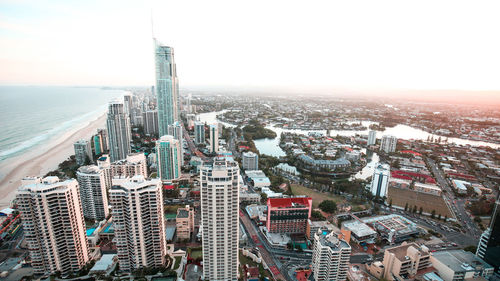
(397, 44)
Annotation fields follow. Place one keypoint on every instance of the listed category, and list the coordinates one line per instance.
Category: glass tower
(489, 244)
(166, 87)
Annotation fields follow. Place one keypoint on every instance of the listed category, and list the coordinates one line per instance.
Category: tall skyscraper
(119, 132)
(250, 161)
(372, 137)
(54, 226)
(166, 88)
(97, 144)
(214, 138)
(128, 104)
(168, 151)
(94, 183)
(388, 143)
(380, 180)
(150, 120)
(219, 219)
(103, 134)
(489, 243)
(139, 222)
(199, 132)
(175, 130)
(83, 150)
(330, 260)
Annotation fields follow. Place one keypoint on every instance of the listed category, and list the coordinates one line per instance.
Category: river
(271, 146)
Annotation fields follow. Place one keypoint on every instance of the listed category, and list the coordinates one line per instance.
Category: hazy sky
(295, 44)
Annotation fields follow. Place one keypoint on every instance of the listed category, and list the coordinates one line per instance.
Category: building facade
(489, 243)
(388, 144)
(134, 164)
(118, 124)
(250, 161)
(54, 226)
(372, 138)
(220, 219)
(214, 138)
(404, 261)
(103, 135)
(185, 222)
(94, 183)
(139, 221)
(168, 151)
(330, 260)
(83, 150)
(166, 88)
(199, 133)
(150, 120)
(380, 180)
(288, 215)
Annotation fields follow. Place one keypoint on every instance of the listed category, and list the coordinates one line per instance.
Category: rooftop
(460, 260)
(289, 202)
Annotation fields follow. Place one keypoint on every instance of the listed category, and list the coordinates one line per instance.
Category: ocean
(33, 115)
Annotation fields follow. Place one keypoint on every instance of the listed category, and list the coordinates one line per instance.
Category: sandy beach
(42, 159)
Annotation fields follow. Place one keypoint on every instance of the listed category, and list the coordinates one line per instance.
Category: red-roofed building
(414, 153)
(288, 215)
(302, 274)
(406, 175)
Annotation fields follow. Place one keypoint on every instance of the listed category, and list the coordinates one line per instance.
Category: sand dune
(41, 160)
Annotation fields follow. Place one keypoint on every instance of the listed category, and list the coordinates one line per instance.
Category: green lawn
(177, 262)
(316, 196)
(195, 253)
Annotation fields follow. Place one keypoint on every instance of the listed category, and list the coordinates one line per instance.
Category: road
(457, 204)
(254, 235)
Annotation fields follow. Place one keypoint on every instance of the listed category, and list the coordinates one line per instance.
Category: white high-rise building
(250, 161)
(380, 180)
(168, 151)
(94, 183)
(138, 216)
(150, 120)
(134, 164)
(220, 219)
(214, 138)
(54, 227)
(388, 144)
(372, 137)
(176, 130)
(83, 149)
(330, 260)
(199, 132)
(119, 133)
(167, 88)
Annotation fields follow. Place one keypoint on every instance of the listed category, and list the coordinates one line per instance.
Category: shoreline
(43, 159)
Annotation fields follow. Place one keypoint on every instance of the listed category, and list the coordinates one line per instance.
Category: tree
(390, 203)
(471, 249)
(406, 207)
(328, 206)
(433, 214)
(445, 218)
(420, 211)
(477, 219)
(439, 217)
(315, 215)
(414, 209)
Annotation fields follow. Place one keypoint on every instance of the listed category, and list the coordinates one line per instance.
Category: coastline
(43, 159)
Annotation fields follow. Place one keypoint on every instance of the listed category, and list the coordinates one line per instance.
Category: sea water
(31, 116)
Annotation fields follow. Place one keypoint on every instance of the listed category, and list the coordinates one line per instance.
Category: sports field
(428, 202)
(317, 197)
